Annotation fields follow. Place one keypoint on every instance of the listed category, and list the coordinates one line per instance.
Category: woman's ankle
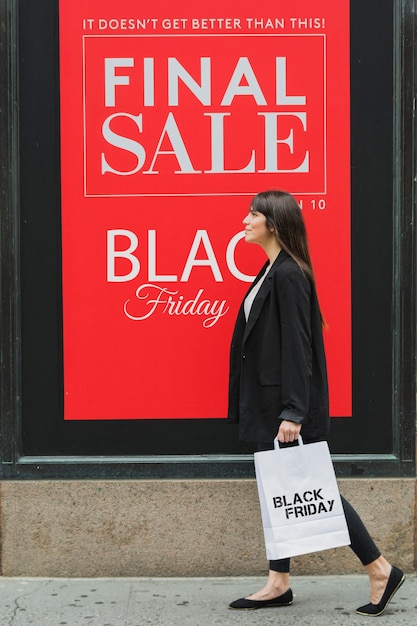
(277, 584)
(279, 580)
(378, 569)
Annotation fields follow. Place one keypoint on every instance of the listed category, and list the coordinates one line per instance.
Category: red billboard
(172, 118)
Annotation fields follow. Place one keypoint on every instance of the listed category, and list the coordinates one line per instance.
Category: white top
(253, 293)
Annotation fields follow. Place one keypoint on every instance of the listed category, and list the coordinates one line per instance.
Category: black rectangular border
(397, 458)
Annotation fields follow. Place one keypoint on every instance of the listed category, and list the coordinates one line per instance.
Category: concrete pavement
(318, 601)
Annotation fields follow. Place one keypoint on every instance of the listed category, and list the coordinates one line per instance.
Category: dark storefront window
(376, 439)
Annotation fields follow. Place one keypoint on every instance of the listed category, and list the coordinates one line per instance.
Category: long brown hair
(283, 214)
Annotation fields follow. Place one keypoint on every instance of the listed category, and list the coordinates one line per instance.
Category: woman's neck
(272, 250)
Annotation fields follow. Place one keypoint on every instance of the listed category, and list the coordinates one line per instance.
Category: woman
(278, 379)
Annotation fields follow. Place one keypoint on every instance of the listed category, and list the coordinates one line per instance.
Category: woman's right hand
(288, 431)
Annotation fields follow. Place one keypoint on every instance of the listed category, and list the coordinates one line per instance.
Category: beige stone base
(177, 528)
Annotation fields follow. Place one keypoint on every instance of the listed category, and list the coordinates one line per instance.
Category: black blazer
(277, 360)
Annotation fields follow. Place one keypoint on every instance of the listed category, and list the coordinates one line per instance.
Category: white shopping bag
(300, 501)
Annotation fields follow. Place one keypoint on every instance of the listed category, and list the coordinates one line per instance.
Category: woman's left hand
(288, 431)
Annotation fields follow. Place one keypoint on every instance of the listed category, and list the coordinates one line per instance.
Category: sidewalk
(320, 601)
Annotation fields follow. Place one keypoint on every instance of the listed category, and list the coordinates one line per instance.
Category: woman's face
(256, 230)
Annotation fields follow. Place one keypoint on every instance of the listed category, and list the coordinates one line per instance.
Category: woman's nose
(245, 221)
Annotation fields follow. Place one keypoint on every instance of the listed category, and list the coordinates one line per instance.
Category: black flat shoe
(395, 581)
(244, 604)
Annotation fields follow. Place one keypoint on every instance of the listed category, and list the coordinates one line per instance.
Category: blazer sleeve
(294, 304)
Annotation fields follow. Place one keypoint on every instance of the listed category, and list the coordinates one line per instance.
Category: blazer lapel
(262, 294)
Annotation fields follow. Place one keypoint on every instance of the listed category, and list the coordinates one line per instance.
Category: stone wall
(158, 528)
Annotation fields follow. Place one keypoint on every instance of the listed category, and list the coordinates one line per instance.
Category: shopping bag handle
(276, 442)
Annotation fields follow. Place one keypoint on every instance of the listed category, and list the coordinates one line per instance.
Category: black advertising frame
(36, 441)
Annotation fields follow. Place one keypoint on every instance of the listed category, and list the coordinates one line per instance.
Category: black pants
(361, 541)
